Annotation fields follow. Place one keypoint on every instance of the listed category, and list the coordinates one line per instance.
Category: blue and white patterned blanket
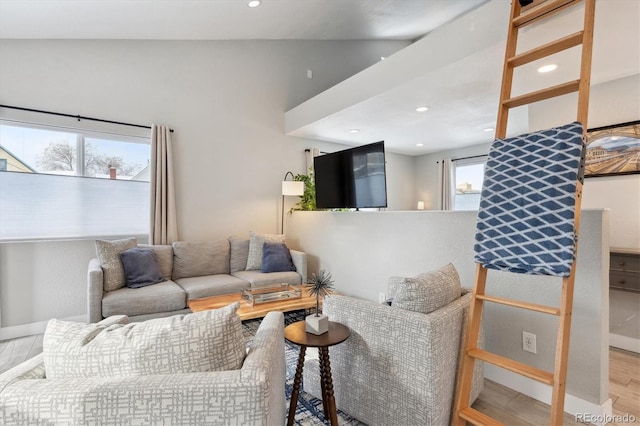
(526, 220)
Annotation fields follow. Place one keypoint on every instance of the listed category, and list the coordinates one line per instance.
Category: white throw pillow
(256, 241)
(204, 341)
(426, 292)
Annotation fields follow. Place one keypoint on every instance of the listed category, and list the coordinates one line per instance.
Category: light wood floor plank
(498, 412)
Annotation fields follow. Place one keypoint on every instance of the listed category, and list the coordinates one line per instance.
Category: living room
(226, 101)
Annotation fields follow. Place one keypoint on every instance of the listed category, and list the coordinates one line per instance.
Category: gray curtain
(446, 184)
(163, 223)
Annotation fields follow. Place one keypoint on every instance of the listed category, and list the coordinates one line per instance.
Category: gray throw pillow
(239, 253)
(141, 267)
(276, 258)
(256, 241)
(108, 253)
(164, 256)
(200, 258)
(427, 292)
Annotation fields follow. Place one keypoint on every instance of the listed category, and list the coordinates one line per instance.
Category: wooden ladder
(521, 17)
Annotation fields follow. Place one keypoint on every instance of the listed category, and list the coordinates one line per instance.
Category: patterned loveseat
(398, 367)
(191, 270)
(251, 395)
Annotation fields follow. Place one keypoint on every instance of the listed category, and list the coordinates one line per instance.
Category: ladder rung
(519, 304)
(513, 366)
(548, 7)
(478, 418)
(540, 95)
(547, 49)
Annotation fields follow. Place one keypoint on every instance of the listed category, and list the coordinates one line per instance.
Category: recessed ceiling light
(488, 129)
(419, 144)
(547, 68)
(382, 58)
(354, 130)
(422, 108)
(254, 3)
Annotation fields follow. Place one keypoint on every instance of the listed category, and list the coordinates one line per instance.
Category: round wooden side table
(296, 334)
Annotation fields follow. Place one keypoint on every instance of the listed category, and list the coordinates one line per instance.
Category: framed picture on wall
(613, 150)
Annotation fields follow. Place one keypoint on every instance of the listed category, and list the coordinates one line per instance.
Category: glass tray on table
(273, 293)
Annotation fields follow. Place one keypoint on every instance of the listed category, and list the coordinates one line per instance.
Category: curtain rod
(467, 158)
(78, 117)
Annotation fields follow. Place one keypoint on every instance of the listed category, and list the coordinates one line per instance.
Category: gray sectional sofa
(192, 270)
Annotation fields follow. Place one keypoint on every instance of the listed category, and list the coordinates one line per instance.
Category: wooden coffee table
(247, 311)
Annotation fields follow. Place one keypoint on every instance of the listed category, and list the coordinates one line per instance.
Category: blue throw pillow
(276, 258)
(140, 267)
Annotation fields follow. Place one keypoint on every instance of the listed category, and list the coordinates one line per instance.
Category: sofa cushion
(164, 255)
(260, 279)
(239, 253)
(140, 267)
(211, 285)
(276, 258)
(205, 341)
(196, 259)
(108, 253)
(256, 241)
(426, 292)
(166, 296)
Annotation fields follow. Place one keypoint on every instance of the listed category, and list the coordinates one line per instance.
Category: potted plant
(307, 201)
(320, 285)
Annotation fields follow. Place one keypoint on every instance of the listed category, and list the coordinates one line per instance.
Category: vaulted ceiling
(454, 66)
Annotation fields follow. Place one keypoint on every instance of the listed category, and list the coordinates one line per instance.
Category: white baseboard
(624, 342)
(598, 414)
(30, 329)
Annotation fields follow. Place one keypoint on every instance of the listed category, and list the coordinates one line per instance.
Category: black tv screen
(353, 178)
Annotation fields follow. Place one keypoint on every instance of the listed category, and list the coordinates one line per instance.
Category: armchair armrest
(94, 291)
(299, 259)
(33, 368)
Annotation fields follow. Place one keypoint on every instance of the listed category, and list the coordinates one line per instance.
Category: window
(57, 182)
(468, 176)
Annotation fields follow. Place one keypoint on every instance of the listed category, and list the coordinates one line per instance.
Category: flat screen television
(352, 178)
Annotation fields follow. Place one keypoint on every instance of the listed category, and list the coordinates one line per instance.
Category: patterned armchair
(398, 367)
(251, 395)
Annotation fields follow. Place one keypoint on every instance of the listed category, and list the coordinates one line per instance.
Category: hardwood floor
(624, 383)
(513, 408)
(504, 404)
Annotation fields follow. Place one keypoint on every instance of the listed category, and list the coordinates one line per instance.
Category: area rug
(309, 409)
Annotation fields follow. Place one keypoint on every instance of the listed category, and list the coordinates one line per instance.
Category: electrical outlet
(529, 342)
(381, 297)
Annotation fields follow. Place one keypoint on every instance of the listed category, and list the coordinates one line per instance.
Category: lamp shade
(291, 187)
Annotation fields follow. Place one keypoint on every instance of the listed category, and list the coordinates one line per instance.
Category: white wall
(427, 177)
(613, 102)
(226, 102)
(366, 248)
